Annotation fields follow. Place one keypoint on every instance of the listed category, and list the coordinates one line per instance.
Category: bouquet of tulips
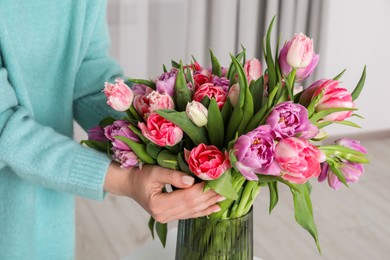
(238, 128)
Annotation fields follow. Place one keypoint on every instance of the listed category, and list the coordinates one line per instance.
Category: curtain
(147, 34)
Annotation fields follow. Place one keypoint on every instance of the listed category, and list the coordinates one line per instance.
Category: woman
(53, 62)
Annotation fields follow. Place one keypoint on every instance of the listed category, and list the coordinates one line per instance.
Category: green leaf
(223, 186)
(216, 67)
(344, 153)
(268, 57)
(323, 124)
(189, 77)
(256, 119)
(153, 150)
(138, 133)
(339, 75)
(197, 134)
(304, 212)
(247, 113)
(242, 81)
(244, 105)
(183, 165)
(167, 160)
(162, 229)
(226, 112)
(205, 101)
(135, 114)
(273, 194)
(107, 121)
(257, 91)
(348, 123)
(139, 149)
(165, 69)
(97, 145)
(234, 121)
(335, 169)
(182, 93)
(214, 122)
(231, 74)
(175, 64)
(146, 82)
(356, 92)
(321, 114)
(151, 226)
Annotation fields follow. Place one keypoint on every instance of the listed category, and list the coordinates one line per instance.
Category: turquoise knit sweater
(53, 64)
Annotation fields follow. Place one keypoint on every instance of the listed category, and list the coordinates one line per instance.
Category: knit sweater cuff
(88, 173)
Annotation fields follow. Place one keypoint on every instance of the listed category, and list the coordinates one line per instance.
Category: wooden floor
(352, 223)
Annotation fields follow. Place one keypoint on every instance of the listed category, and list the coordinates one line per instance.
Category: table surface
(154, 250)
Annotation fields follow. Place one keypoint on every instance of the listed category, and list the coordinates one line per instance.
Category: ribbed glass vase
(202, 238)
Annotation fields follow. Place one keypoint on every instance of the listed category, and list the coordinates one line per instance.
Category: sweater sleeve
(41, 155)
(97, 67)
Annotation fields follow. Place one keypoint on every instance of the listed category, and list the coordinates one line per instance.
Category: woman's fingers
(186, 203)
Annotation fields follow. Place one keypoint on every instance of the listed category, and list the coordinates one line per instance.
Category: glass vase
(203, 238)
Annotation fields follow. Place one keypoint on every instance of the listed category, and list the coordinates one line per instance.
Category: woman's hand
(145, 187)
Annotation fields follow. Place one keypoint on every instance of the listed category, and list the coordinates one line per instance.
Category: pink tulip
(211, 91)
(301, 51)
(207, 162)
(161, 131)
(252, 69)
(286, 68)
(298, 159)
(145, 105)
(119, 95)
(234, 93)
(202, 77)
(333, 97)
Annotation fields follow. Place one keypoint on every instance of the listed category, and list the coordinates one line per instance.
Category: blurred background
(353, 223)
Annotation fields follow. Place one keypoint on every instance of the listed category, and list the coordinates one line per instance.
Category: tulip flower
(305, 61)
(119, 95)
(197, 113)
(252, 69)
(333, 96)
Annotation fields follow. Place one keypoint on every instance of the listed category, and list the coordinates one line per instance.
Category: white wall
(355, 33)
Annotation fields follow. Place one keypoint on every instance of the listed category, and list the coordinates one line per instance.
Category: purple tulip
(140, 89)
(120, 128)
(166, 83)
(127, 159)
(351, 144)
(289, 119)
(222, 82)
(255, 152)
(351, 171)
(302, 73)
(96, 134)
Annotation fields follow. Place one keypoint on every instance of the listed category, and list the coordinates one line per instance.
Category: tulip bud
(252, 69)
(234, 93)
(300, 52)
(119, 95)
(197, 113)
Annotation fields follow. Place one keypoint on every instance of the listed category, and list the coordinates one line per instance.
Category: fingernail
(187, 180)
(217, 209)
(221, 199)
